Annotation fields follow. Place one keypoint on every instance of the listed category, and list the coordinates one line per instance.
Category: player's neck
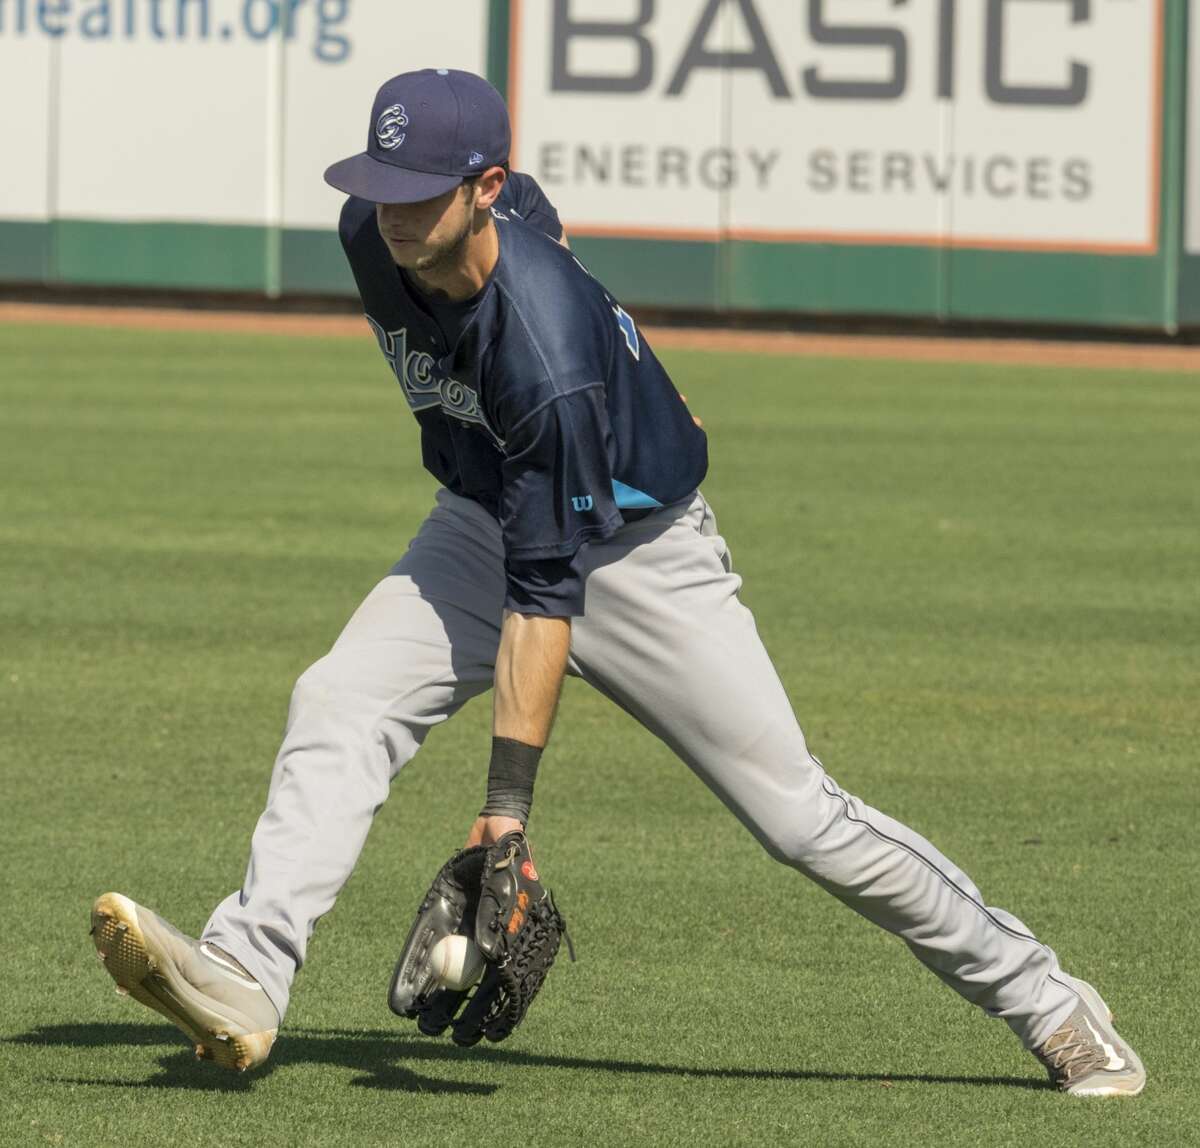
(463, 277)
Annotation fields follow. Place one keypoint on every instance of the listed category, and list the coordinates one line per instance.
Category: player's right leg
(666, 637)
(420, 645)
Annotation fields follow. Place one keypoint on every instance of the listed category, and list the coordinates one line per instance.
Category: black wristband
(511, 774)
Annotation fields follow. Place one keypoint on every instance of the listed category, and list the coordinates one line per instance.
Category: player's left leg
(666, 637)
(421, 644)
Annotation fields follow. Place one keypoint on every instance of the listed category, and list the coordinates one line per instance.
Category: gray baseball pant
(666, 638)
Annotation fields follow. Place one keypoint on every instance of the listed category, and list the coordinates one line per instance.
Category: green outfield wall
(1022, 161)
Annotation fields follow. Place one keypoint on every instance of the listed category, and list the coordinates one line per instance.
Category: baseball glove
(494, 890)
(448, 907)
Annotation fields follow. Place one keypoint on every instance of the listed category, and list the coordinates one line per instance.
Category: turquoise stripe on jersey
(629, 498)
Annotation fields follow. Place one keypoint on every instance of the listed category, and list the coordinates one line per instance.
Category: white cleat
(197, 987)
(1086, 1056)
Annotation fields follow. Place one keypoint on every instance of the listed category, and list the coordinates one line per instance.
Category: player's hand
(694, 418)
(489, 830)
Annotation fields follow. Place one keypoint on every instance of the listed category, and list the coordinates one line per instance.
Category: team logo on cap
(387, 128)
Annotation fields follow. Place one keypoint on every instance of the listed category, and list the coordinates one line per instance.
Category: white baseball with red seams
(457, 961)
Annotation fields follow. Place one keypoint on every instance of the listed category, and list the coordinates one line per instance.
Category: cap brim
(364, 176)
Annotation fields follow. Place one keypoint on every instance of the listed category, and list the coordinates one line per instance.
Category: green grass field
(980, 588)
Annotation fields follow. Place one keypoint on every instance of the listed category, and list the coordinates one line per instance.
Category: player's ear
(487, 187)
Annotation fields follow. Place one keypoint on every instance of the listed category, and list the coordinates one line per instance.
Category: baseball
(457, 962)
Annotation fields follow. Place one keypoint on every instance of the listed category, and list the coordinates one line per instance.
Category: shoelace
(562, 925)
(1075, 1055)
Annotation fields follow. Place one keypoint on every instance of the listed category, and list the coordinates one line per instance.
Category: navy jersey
(523, 197)
(550, 410)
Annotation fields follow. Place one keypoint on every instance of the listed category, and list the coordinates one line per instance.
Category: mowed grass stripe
(977, 584)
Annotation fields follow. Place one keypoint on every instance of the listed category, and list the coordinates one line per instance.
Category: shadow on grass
(385, 1059)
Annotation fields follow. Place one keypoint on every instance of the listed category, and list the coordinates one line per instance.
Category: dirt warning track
(915, 348)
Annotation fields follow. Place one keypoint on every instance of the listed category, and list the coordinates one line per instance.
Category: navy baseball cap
(430, 130)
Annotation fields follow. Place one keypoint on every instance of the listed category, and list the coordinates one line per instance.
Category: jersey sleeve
(550, 587)
(523, 196)
(557, 495)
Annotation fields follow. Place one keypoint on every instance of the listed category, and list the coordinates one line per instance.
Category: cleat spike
(122, 927)
(101, 957)
(122, 991)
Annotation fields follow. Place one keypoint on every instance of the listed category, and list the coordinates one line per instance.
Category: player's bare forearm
(529, 673)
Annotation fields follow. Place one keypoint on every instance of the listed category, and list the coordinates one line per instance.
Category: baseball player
(569, 536)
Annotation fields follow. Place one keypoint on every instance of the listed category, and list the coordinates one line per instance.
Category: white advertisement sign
(1030, 124)
(26, 169)
(204, 110)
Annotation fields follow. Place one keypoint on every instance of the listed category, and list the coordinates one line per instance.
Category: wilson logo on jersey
(424, 387)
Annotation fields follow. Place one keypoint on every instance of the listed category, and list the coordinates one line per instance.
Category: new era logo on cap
(417, 147)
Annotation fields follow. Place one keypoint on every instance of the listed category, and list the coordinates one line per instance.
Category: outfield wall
(1017, 160)
(1189, 269)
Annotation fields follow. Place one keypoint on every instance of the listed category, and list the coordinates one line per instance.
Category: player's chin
(405, 252)
(428, 256)
(415, 256)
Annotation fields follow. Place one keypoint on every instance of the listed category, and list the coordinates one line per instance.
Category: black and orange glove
(518, 929)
